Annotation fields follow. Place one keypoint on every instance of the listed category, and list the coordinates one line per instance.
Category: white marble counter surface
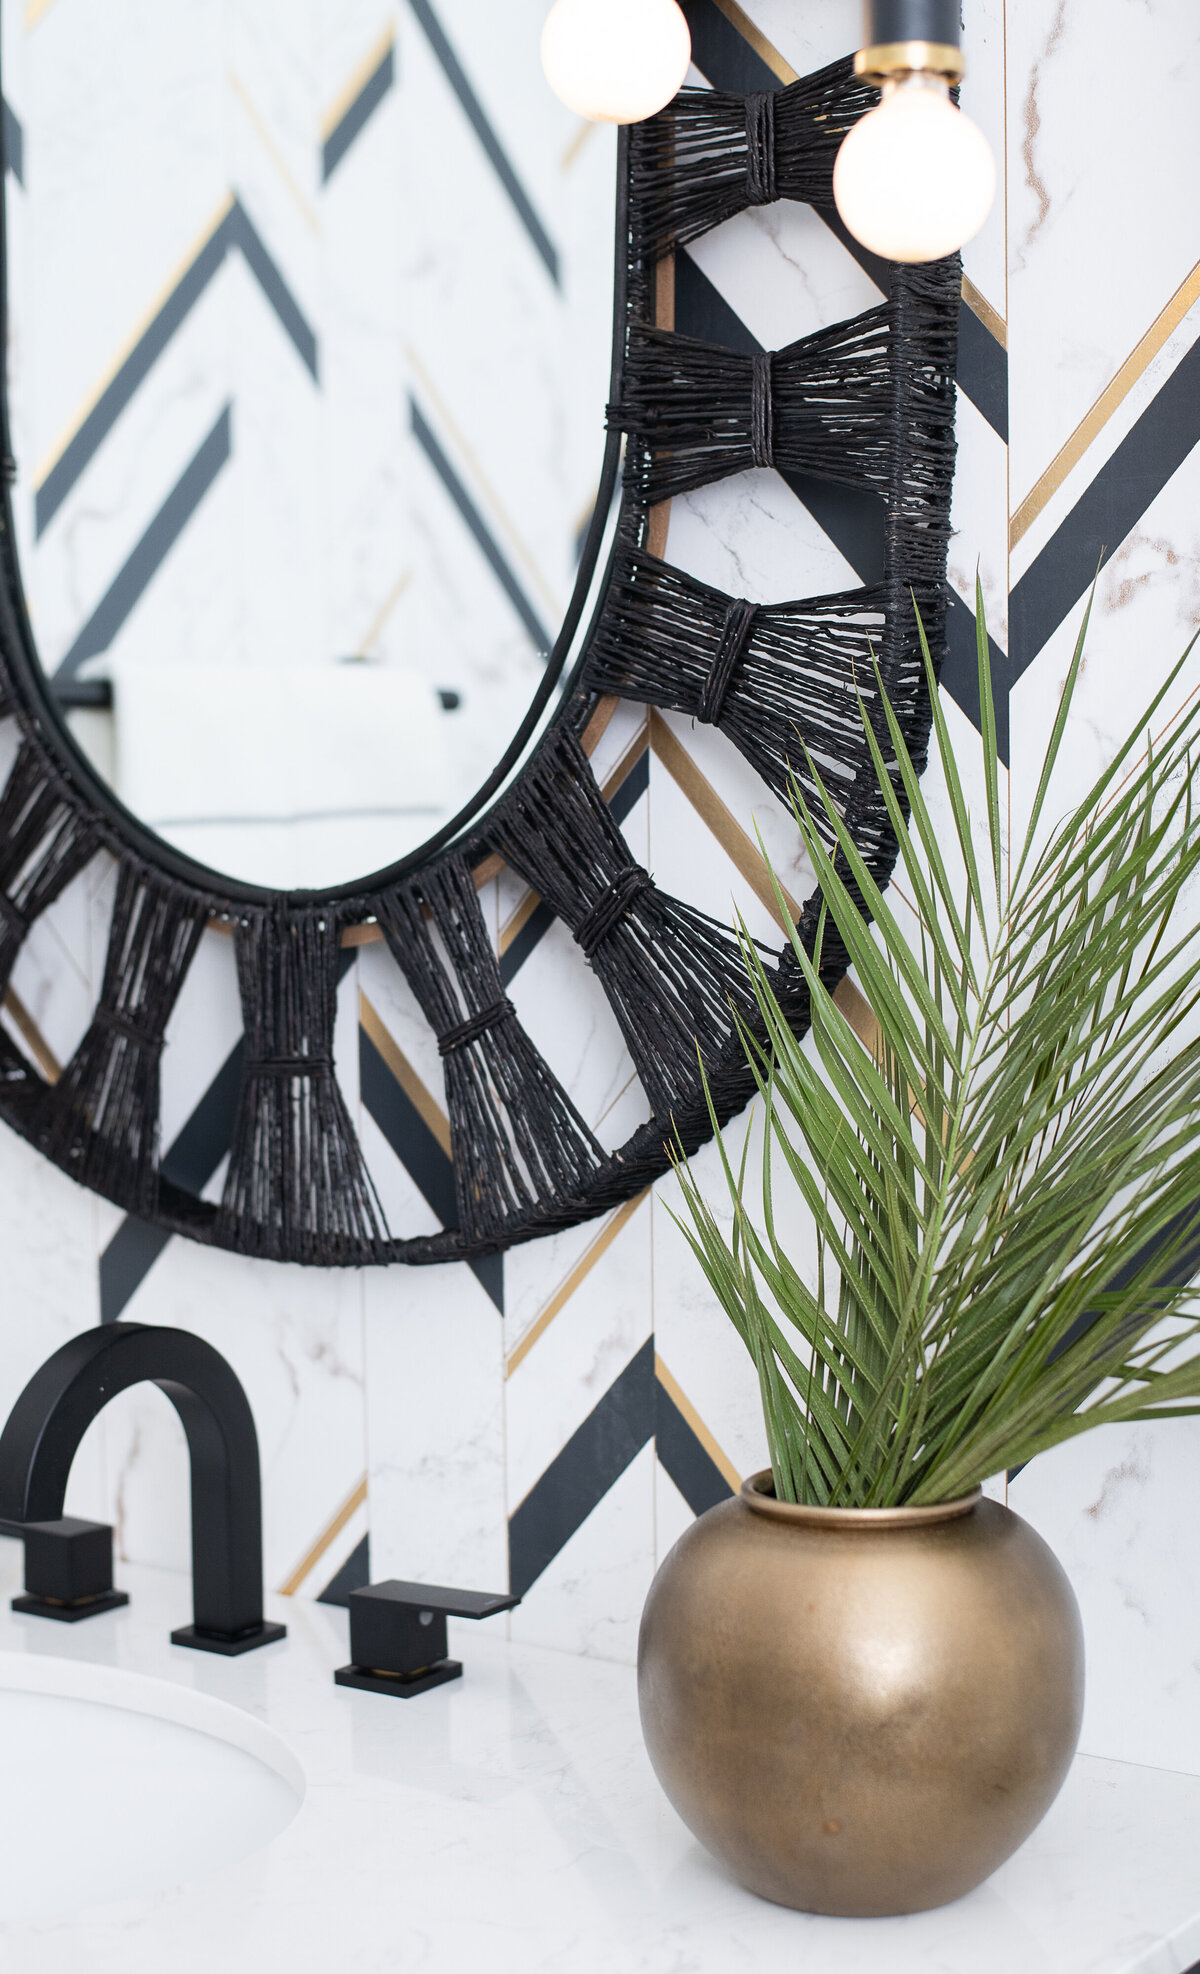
(511, 1822)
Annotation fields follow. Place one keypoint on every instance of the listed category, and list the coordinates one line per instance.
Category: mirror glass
(310, 313)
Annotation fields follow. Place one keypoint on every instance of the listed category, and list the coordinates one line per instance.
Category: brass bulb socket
(890, 59)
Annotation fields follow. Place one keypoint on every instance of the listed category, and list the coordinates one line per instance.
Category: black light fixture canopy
(889, 21)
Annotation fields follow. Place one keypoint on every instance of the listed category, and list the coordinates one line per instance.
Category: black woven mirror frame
(867, 405)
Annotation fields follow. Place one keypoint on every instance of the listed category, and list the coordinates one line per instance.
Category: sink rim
(141, 1693)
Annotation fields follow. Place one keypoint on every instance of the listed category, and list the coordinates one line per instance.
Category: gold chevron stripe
(35, 10)
(859, 1013)
(742, 853)
(356, 83)
(758, 41)
(328, 1535)
(39, 1048)
(576, 145)
(197, 247)
(1089, 428)
(406, 1076)
(382, 614)
(582, 1269)
(990, 317)
(683, 1403)
(272, 149)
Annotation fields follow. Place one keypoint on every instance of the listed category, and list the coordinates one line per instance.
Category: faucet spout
(48, 1421)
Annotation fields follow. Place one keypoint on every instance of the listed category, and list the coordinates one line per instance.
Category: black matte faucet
(68, 1563)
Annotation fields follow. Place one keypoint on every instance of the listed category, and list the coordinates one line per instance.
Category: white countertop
(511, 1822)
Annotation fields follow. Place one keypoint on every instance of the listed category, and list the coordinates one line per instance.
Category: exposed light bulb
(916, 178)
(616, 61)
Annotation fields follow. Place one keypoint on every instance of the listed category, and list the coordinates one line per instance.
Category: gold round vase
(860, 1711)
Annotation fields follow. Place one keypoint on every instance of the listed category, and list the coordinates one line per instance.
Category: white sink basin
(112, 1785)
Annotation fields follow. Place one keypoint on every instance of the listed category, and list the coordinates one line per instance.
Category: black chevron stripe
(960, 672)
(412, 1141)
(478, 528)
(577, 1480)
(634, 1410)
(134, 577)
(480, 123)
(1107, 513)
(235, 233)
(358, 115)
(688, 1463)
(728, 61)
(355, 1574)
(14, 143)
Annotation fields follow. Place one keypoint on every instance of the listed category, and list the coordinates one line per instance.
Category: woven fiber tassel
(925, 307)
(776, 678)
(297, 1188)
(45, 841)
(695, 412)
(102, 1115)
(519, 1145)
(671, 973)
(710, 154)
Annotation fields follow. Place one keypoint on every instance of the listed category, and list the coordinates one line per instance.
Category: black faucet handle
(68, 1569)
(398, 1634)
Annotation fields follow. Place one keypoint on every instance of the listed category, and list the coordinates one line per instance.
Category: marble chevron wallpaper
(554, 1418)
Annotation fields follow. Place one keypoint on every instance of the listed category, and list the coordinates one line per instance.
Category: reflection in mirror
(311, 306)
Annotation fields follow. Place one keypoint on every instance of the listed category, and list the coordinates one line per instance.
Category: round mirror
(311, 426)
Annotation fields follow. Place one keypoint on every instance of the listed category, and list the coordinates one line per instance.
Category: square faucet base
(398, 1685)
(91, 1607)
(229, 1648)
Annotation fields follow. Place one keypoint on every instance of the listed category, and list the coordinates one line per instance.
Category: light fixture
(915, 179)
(615, 61)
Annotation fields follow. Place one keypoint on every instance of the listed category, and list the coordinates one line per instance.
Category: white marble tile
(751, 536)
(1145, 615)
(1094, 248)
(435, 1425)
(784, 272)
(979, 519)
(295, 1339)
(589, 1600)
(583, 1350)
(695, 1340)
(1115, 1506)
(565, 1008)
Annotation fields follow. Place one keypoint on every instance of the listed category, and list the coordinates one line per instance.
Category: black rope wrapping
(45, 841)
(101, 1117)
(709, 155)
(297, 1188)
(695, 412)
(778, 679)
(519, 1145)
(868, 404)
(673, 976)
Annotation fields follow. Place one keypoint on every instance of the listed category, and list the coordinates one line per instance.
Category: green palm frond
(1006, 1191)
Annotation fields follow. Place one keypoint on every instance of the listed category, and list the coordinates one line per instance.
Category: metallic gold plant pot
(860, 1711)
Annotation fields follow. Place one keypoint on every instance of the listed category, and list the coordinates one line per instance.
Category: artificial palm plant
(1005, 1184)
